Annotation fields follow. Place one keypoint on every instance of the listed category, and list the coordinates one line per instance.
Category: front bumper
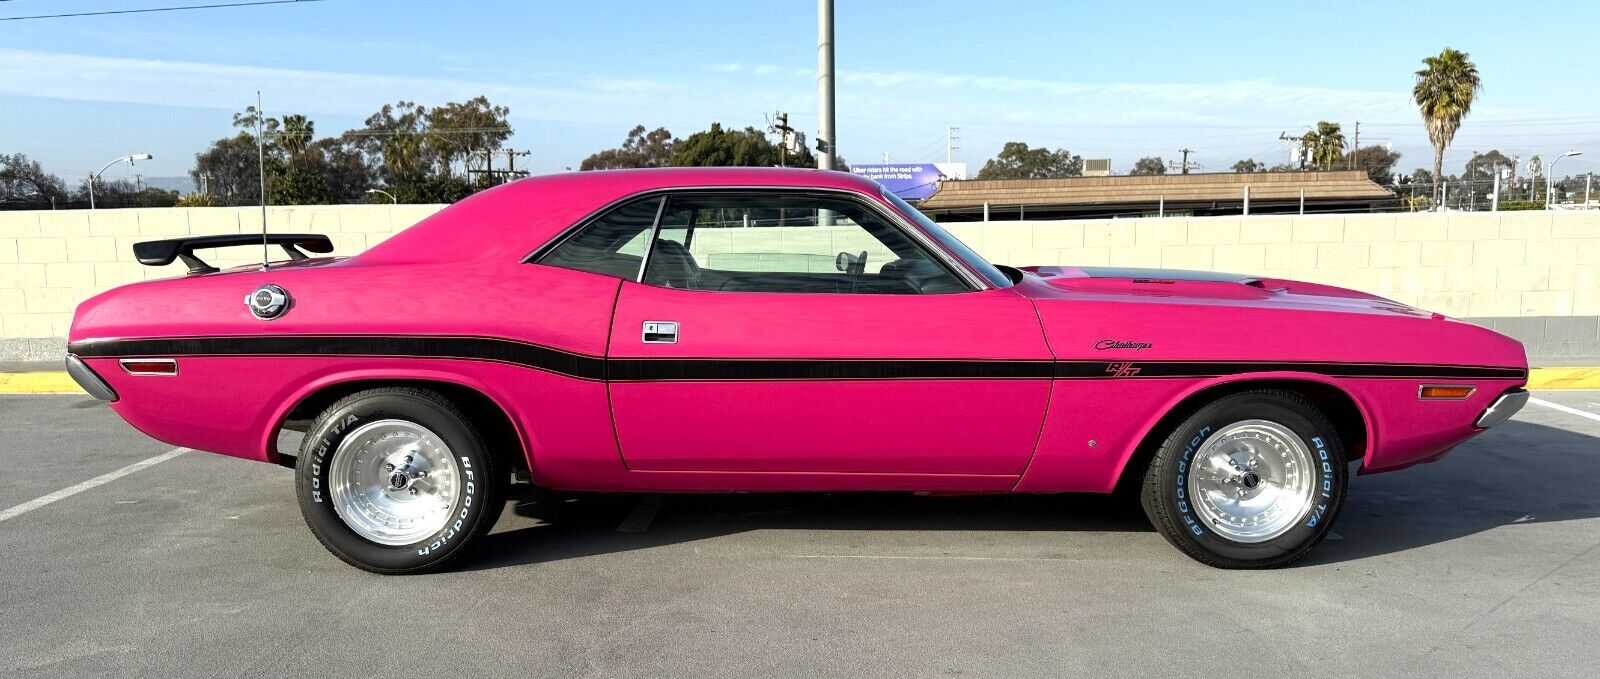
(1503, 408)
(87, 378)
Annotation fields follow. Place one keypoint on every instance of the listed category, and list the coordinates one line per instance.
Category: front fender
(1095, 428)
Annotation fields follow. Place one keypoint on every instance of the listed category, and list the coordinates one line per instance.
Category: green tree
(1377, 161)
(718, 147)
(456, 131)
(1325, 143)
(228, 170)
(1444, 91)
(1482, 168)
(1017, 161)
(24, 185)
(296, 134)
(394, 144)
(640, 149)
(1149, 165)
(1249, 165)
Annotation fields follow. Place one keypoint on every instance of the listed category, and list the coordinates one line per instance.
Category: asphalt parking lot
(1484, 564)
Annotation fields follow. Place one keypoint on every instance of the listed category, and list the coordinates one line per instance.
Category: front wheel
(396, 481)
(1252, 480)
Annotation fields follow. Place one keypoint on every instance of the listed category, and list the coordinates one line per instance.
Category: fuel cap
(267, 302)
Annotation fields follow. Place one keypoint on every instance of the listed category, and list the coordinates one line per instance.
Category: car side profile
(761, 329)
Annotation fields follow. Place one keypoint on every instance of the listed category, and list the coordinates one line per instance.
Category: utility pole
(784, 135)
(826, 143)
(1185, 153)
(511, 163)
(950, 147)
(1357, 146)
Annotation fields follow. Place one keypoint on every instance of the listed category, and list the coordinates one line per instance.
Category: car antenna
(261, 164)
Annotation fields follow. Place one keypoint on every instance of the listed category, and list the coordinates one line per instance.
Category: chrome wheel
(1252, 481)
(394, 482)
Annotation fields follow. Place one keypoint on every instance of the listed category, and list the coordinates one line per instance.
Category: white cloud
(180, 83)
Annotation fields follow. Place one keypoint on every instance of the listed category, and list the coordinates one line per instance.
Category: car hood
(1179, 286)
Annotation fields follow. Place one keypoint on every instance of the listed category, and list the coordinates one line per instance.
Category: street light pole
(826, 144)
(96, 176)
(392, 199)
(1550, 179)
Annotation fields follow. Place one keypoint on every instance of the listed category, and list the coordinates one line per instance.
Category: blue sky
(1118, 80)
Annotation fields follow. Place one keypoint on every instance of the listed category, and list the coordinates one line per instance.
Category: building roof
(1174, 189)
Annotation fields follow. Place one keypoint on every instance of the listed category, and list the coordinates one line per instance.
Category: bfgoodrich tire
(397, 481)
(1251, 480)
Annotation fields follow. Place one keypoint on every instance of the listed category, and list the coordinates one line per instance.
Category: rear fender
(298, 393)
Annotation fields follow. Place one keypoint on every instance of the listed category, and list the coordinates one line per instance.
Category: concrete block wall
(1534, 275)
(51, 260)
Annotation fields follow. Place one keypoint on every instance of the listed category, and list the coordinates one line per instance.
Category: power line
(145, 10)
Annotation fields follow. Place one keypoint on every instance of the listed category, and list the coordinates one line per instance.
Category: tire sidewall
(1328, 475)
(316, 504)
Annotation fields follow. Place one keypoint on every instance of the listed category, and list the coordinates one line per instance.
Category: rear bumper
(1503, 408)
(87, 378)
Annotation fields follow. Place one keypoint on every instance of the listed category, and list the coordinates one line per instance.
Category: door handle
(660, 332)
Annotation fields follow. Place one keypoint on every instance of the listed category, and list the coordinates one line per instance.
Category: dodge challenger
(746, 330)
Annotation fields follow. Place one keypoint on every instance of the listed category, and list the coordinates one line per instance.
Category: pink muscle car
(706, 330)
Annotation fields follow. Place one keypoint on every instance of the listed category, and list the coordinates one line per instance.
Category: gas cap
(267, 302)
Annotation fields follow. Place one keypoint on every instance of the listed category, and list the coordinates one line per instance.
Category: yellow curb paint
(57, 382)
(1564, 378)
(60, 383)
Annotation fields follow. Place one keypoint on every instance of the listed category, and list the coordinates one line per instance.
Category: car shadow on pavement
(575, 525)
(1517, 473)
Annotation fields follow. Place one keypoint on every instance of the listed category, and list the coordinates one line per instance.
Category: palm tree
(1326, 144)
(1444, 91)
(296, 133)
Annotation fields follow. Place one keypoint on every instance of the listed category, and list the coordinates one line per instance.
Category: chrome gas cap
(267, 302)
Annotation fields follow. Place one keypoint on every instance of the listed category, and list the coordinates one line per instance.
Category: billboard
(911, 181)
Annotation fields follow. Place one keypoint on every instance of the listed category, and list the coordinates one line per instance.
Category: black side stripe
(468, 348)
(1139, 369)
(706, 369)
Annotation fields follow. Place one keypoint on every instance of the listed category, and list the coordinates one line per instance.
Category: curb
(49, 382)
(58, 382)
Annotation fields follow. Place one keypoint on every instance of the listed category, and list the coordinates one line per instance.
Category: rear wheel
(397, 480)
(1252, 480)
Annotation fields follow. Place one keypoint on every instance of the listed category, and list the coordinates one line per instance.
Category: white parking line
(100, 480)
(931, 557)
(1565, 409)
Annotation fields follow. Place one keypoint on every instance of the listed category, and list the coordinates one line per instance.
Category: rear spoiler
(162, 252)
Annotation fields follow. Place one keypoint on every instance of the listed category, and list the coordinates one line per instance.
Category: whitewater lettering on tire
(466, 508)
(1184, 510)
(1325, 490)
(319, 456)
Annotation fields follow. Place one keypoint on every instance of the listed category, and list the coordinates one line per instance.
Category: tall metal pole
(261, 165)
(826, 144)
(1494, 198)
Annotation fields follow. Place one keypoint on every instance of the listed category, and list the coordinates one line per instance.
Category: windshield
(954, 246)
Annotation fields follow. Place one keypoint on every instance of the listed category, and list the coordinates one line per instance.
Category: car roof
(516, 218)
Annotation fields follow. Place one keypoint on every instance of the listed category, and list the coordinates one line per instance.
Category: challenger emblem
(1124, 369)
(267, 302)
(1119, 344)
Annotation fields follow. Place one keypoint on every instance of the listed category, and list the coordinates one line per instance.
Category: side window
(774, 242)
(612, 244)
